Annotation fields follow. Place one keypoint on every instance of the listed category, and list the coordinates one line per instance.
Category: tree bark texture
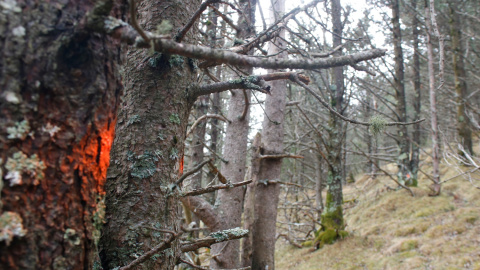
(416, 136)
(147, 156)
(267, 195)
(60, 89)
(436, 187)
(401, 109)
(332, 217)
(463, 125)
(229, 202)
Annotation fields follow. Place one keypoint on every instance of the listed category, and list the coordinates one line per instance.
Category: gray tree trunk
(266, 195)
(401, 109)
(416, 138)
(332, 217)
(229, 202)
(148, 148)
(463, 125)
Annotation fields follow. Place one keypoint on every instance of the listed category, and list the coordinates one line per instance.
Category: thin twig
(194, 170)
(294, 78)
(162, 246)
(205, 116)
(181, 34)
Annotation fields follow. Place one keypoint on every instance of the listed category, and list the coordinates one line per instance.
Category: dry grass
(392, 230)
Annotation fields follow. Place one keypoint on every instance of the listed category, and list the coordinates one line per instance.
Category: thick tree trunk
(149, 145)
(230, 201)
(416, 138)
(401, 109)
(266, 195)
(463, 125)
(60, 89)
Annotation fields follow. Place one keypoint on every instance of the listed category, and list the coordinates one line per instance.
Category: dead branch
(294, 78)
(214, 238)
(385, 172)
(201, 191)
(215, 171)
(203, 117)
(160, 247)
(181, 34)
(194, 170)
(279, 156)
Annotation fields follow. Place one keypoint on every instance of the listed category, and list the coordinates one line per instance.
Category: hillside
(393, 230)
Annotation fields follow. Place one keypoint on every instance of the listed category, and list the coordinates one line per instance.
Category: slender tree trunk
(436, 187)
(463, 125)
(267, 195)
(332, 217)
(401, 109)
(416, 138)
(249, 209)
(319, 185)
(230, 201)
(149, 145)
(60, 89)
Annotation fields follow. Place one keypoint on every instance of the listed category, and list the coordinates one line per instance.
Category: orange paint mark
(180, 170)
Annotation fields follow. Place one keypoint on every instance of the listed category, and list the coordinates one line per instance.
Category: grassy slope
(392, 230)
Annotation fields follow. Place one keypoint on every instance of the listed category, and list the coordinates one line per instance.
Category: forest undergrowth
(390, 229)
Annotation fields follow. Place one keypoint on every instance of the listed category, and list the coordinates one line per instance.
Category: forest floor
(393, 230)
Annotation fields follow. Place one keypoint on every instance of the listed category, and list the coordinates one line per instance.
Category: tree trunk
(60, 89)
(401, 109)
(463, 125)
(332, 217)
(436, 187)
(149, 146)
(266, 194)
(230, 201)
(416, 138)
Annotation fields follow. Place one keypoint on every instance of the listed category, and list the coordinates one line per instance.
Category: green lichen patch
(174, 118)
(19, 163)
(164, 28)
(71, 237)
(133, 119)
(11, 226)
(377, 124)
(98, 218)
(173, 153)
(234, 233)
(19, 131)
(144, 165)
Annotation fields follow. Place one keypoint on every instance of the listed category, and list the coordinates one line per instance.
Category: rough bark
(463, 125)
(332, 217)
(436, 187)
(230, 201)
(60, 89)
(249, 203)
(148, 150)
(416, 136)
(401, 109)
(267, 195)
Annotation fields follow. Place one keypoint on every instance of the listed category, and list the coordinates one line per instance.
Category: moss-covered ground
(390, 229)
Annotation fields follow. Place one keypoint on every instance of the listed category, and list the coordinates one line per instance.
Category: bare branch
(162, 246)
(187, 174)
(135, 25)
(215, 171)
(203, 117)
(279, 156)
(181, 34)
(214, 238)
(294, 78)
(197, 192)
